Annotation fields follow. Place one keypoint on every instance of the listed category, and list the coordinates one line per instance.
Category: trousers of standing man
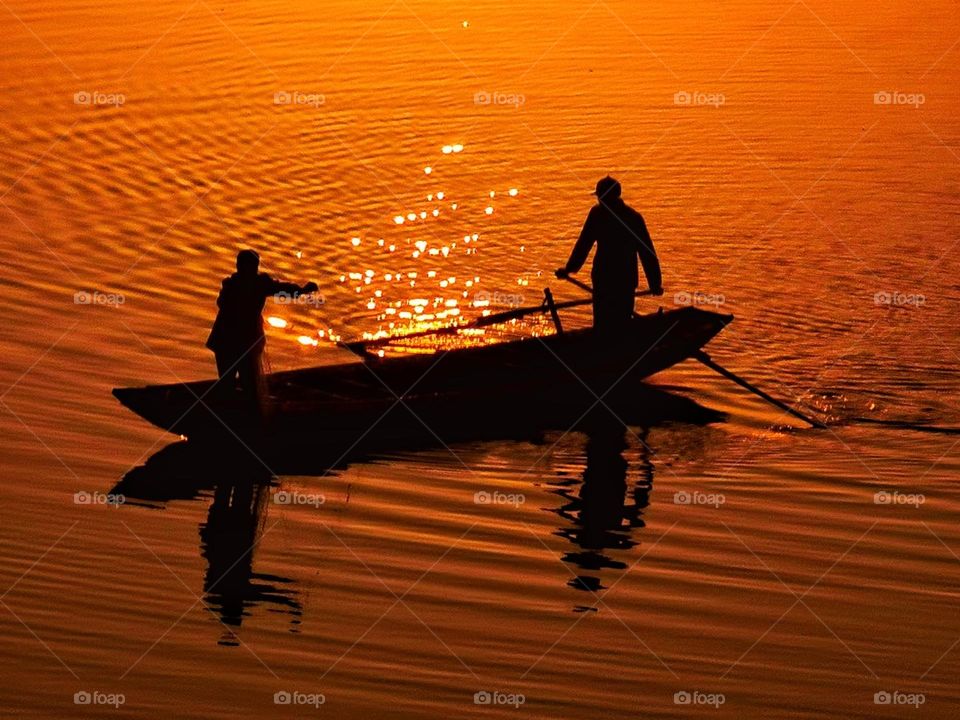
(234, 365)
(612, 309)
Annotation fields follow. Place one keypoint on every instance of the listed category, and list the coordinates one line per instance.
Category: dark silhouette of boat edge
(402, 401)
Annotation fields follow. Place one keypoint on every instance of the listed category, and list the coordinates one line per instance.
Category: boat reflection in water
(601, 513)
(241, 489)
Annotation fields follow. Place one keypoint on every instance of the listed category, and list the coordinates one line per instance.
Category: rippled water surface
(797, 164)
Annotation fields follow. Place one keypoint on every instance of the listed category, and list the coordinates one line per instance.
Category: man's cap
(608, 189)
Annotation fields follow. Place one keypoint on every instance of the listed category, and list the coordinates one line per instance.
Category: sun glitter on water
(407, 285)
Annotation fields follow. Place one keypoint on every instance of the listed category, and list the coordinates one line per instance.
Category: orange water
(793, 202)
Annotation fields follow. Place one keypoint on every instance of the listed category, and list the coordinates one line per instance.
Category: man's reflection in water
(235, 523)
(228, 541)
(601, 512)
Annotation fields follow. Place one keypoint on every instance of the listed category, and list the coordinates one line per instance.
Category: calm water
(783, 190)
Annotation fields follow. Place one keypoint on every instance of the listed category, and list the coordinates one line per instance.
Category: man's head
(608, 190)
(248, 262)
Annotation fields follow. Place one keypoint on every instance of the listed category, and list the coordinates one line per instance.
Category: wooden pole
(706, 360)
(358, 346)
(552, 306)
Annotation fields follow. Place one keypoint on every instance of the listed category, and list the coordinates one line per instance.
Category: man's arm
(276, 287)
(648, 257)
(581, 251)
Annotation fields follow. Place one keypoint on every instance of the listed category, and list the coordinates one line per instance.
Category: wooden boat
(558, 377)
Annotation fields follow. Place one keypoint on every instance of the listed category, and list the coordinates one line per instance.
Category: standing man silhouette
(237, 338)
(621, 237)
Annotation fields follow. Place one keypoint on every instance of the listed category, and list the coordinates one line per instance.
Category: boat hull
(560, 377)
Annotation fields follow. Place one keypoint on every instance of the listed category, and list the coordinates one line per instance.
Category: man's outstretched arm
(276, 287)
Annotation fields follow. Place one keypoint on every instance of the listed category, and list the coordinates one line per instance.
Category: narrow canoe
(559, 377)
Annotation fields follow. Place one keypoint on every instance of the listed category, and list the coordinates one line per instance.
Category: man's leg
(625, 305)
(250, 376)
(224, 364)
(226, 371)
(612, 312)
(601, 312)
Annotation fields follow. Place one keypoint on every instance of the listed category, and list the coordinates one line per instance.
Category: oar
(701, 356)
(584, 286)
(485, 321)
